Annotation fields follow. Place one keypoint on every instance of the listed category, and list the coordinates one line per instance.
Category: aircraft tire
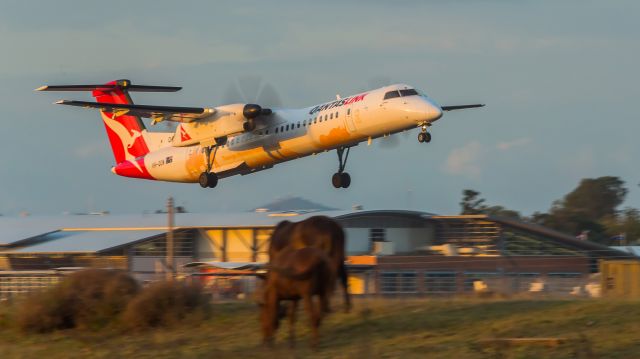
(336, 180)
(345, 180)
(421, 137)
(212, 180)
(427, 137)
(203, 180)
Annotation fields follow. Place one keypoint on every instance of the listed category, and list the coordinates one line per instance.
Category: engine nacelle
(227, 120)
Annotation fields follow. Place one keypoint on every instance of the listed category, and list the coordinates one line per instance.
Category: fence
(448, 283)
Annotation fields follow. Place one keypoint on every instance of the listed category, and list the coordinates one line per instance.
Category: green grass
(375, 329)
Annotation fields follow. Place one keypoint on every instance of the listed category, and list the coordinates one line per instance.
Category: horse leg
(269, 316)
(344, 279)
(314, 316)
(293, 308)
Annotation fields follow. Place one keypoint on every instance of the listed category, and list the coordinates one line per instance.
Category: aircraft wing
(157, 113)
(461, 107)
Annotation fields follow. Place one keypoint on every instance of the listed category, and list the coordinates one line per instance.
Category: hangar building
(390, 251)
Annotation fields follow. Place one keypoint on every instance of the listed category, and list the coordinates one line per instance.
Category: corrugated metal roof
(85, 241)
(15, 229)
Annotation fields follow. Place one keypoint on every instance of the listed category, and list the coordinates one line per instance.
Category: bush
(88, 299)
(165, 304)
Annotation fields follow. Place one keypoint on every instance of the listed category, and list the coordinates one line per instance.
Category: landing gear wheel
(203, 180)
(341, 180)
(212, 180)
(345, 179)
(336, 180)
(209, 180)
(424, 137)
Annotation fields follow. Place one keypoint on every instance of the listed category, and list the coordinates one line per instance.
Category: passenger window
(331, 117)
(348, 111)
(391, 94)
(287, 128)
(298, 124)
(408, 92)
(337, 114)
(325, 117)
(315, 119)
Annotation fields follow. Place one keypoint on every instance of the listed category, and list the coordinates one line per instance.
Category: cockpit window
(391, 94)
(408, 92)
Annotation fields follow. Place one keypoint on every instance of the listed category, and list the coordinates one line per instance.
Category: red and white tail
(125, 131)
(127, 134)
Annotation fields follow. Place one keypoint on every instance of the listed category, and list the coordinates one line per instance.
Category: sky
(560, 80)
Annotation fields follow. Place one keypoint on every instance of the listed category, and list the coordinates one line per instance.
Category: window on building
(564, 275)
(397, 282)
(377, 234)
(182, 245)
(440, 282)
(391, 94)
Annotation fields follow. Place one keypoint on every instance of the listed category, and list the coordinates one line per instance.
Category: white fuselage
(293, 133)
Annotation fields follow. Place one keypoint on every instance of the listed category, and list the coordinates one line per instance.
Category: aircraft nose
(432, 110)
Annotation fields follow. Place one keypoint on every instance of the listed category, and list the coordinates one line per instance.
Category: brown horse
(296, 274)
(319, 232)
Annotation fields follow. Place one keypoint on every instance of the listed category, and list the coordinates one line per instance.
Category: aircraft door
(348, 119)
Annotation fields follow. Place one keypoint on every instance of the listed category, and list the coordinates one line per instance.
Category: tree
(596, 198)
(626, 223)
(471, 203)
(592, 206)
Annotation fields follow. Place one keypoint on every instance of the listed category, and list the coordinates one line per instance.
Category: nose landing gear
(341, 179)
(424, 136)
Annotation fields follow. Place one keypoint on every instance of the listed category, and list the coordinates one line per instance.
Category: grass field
(375, 329)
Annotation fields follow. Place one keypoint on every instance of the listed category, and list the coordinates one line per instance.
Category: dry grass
(375, 329)
(165, 304)
(89, 299)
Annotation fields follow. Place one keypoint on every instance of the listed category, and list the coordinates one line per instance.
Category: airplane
(211, 143)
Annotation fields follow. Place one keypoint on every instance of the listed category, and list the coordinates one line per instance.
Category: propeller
(252, 90)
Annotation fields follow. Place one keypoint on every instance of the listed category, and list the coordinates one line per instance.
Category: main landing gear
(424, 136)
(209, 179)
(341, 179)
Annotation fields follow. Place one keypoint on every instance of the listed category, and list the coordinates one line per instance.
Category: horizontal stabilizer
(157, 113)
(461, 107)
(120, 84)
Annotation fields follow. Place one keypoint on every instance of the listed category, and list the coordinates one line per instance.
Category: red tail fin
(124, 131)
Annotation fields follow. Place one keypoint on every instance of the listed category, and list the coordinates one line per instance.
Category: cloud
(90, 150)
(466, 160)
(518, 142)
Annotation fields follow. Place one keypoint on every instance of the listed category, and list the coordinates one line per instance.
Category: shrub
(165, 304)
(88, 299)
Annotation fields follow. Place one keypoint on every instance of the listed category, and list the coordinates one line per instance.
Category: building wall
(404, 239)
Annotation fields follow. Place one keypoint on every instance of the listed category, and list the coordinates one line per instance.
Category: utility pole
(170, 261)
